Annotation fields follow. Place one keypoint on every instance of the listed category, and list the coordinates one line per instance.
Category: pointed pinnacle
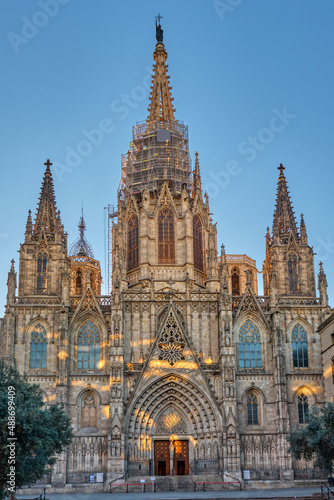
(281, 168)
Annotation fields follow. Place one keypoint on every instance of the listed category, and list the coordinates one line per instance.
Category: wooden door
(181, 458)
(161, 458)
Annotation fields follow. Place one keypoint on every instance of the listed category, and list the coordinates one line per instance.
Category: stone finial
(322, 285)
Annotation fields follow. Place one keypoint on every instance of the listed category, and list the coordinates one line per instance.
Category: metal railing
(326, 492)
(42, 495)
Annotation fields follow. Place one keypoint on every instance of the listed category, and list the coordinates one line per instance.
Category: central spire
(159, 150)
(160, 107)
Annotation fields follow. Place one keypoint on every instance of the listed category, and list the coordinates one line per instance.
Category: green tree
(315, 440)
(31, 434)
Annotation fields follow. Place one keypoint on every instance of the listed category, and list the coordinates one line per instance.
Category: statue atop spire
(159, 34)
(160, 107)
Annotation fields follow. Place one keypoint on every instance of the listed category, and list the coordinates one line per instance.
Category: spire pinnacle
(160, 108)
(284, 221)
(29, 223)
(197, 182)
(303, 233)
(322, 285)
(46, 216)
(81, 246)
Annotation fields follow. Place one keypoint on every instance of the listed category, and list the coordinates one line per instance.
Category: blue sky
(252, 79)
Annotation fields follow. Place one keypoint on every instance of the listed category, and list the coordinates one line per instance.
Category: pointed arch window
(78, 282)
(293, 273)
(88, 410)
(166, 237)
(299, 347)
(198, 243)
(38, 346)
(88, 347)
(133, 243)
(42, 269)
(235, 281)
(303, 408)
(249, 346)
(252, 409)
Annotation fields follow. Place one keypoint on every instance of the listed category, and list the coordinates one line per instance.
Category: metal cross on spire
(48, 164)
(159, 17)
(281, 168)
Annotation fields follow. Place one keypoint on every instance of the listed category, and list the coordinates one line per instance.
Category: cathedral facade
(183, 369)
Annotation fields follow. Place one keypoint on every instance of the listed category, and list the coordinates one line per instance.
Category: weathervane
(158, 30)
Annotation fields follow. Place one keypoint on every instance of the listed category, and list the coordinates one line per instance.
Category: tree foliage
(39, 432)
(315, 440)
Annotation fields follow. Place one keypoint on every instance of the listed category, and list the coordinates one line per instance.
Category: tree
(31, 434)
(315, 440)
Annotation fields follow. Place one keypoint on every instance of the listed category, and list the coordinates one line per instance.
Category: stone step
(174, 483)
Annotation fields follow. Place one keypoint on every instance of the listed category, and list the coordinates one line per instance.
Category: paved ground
(187, 495)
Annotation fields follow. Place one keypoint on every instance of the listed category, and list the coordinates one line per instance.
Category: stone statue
(158, 32)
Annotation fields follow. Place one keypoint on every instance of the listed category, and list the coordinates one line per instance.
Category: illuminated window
(252, 409)
(249, 346)
(303, 409)
(293, 273)
(198, 243)
(235, 282)
(299, 347)
(78, 282)
(38, 347)
(88, 347)
(42, 268)
(88, 410)
(166, 238)
(133, 243)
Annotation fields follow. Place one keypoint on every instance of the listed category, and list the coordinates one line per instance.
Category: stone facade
(184, 368)
(326, 330)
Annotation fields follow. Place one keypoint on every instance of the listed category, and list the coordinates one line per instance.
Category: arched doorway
(169, 422)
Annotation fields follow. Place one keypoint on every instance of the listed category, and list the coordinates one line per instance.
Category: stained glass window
(299, 347)
(198, 243)
(303, 408)
(166, 238)
(252, 409)
(249, 346)
(88, 410)
(42, 268)
(38, 347)
(133, 243)
(88, 347)
(235, 282)
(293, 273)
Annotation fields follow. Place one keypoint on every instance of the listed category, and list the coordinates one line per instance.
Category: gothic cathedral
(183, 369)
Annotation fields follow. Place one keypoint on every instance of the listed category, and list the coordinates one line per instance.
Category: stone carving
(171, 343)
(170, 422)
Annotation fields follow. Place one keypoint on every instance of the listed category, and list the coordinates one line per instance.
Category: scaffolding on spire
(159, 149)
